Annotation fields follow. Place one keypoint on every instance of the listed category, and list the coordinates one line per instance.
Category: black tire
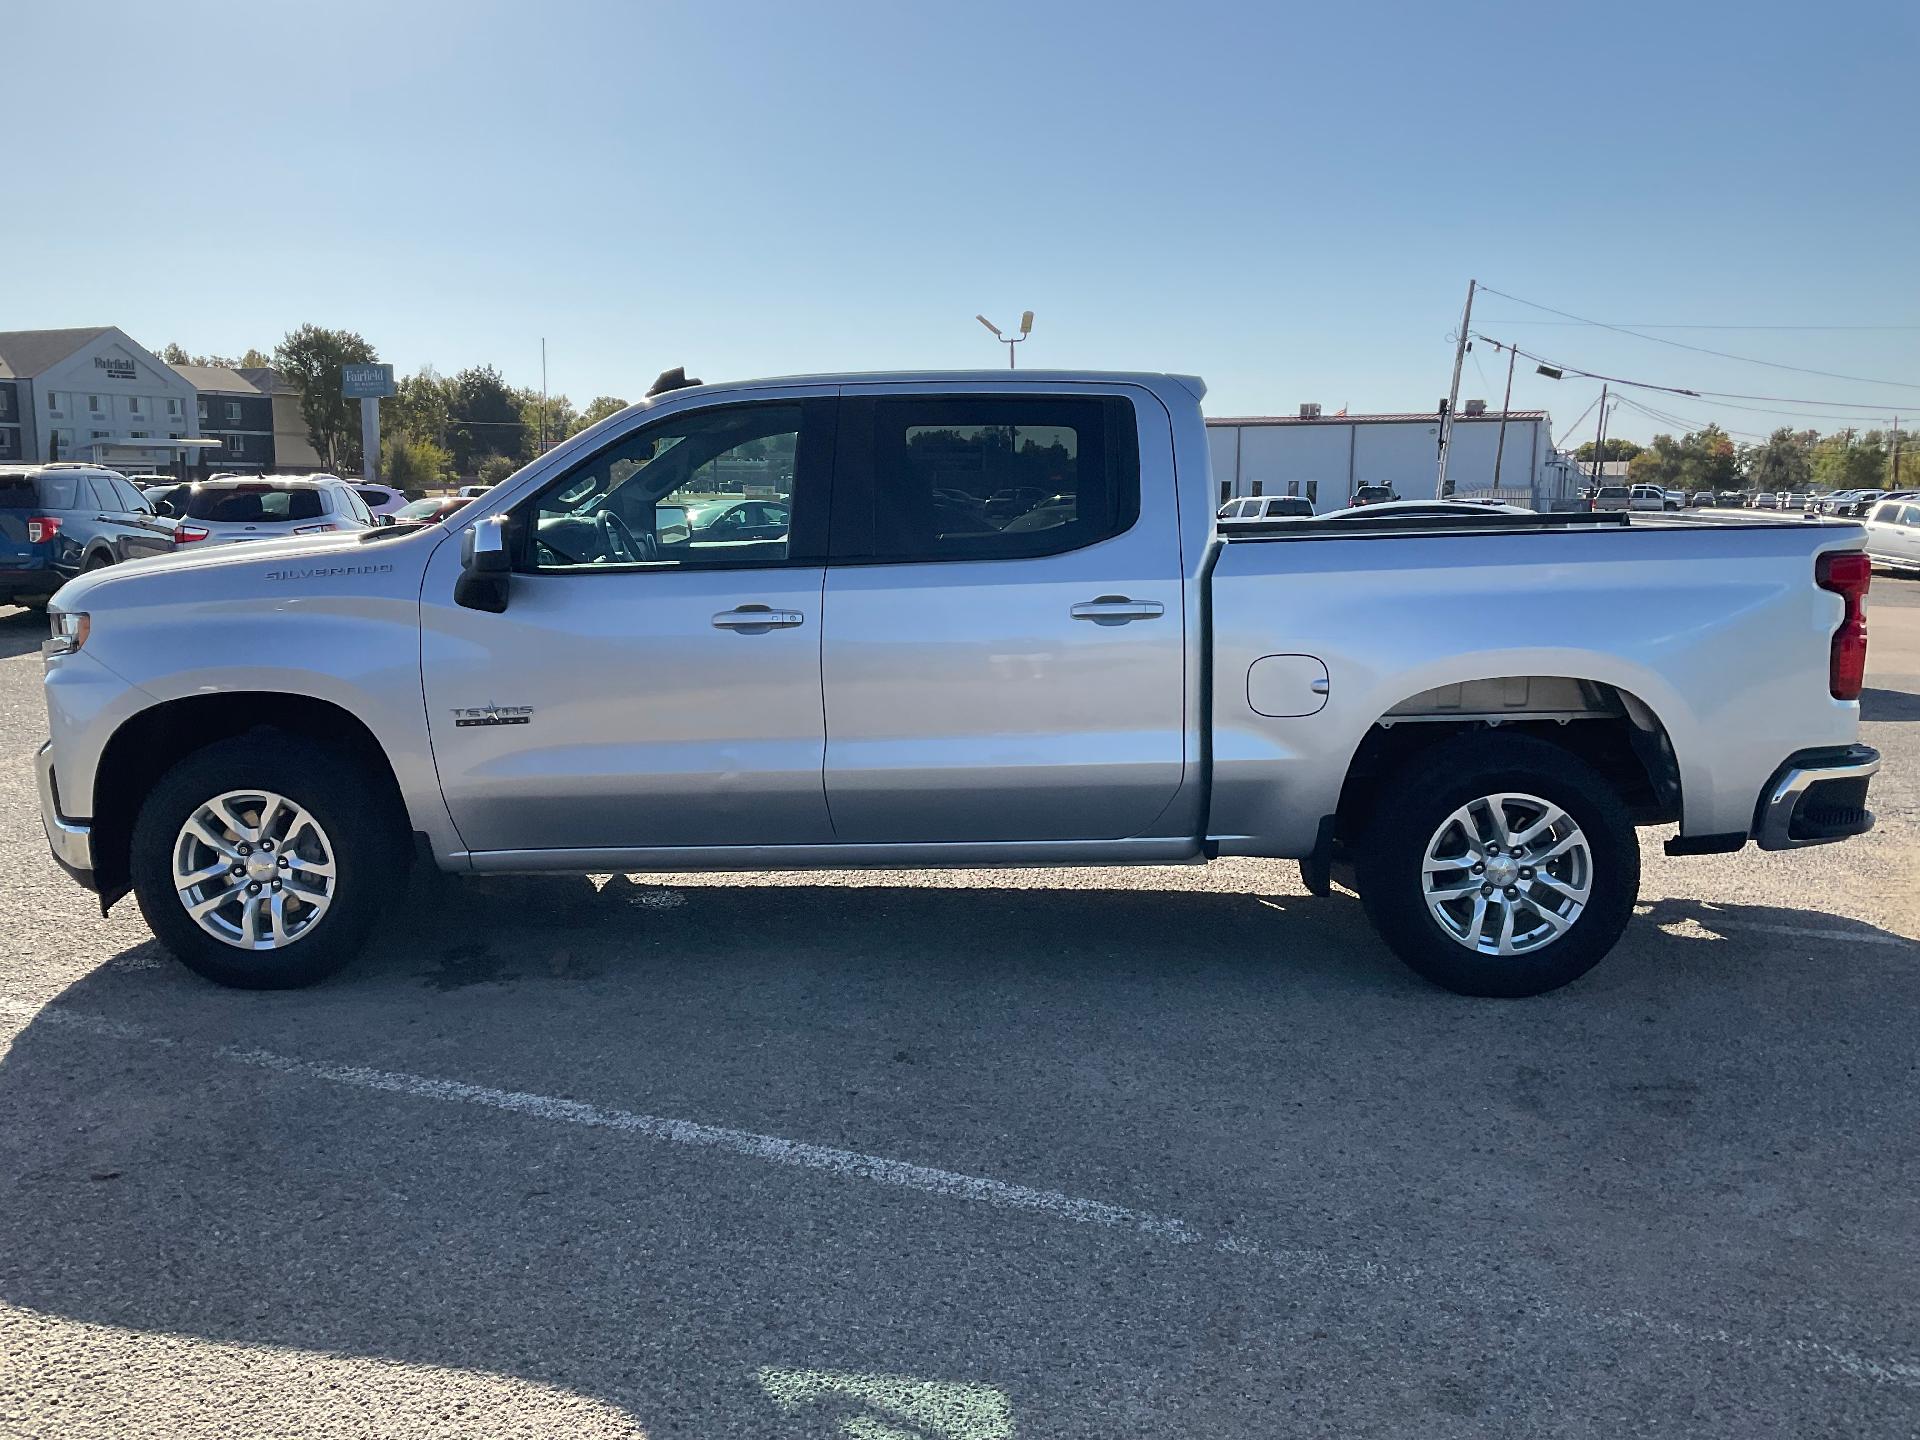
(1417, 800)
(367, 837)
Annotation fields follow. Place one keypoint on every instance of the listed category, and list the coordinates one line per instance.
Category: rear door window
(101, 492)
(988, 477)
(129, 499)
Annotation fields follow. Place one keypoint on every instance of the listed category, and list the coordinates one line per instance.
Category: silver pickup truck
(949, 619)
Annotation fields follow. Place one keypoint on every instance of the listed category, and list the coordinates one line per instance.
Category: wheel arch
(153, 740)
(1606, 725)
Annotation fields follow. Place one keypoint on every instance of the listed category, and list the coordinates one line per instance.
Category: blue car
(59, 520)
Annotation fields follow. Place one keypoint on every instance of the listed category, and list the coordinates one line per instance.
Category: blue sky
(1286, 201)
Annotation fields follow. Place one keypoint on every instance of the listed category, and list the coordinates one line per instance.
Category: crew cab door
(1004, 644)
(645, 688)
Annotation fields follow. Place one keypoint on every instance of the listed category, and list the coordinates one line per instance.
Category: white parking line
(853, 1164)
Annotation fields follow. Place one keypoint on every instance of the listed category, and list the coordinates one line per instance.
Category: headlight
(70, 630)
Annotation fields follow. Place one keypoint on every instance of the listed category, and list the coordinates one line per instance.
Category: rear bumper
(1817, 797)
(71, 843)
(38, 580)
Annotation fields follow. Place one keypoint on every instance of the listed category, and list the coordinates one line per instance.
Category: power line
(1681, 389)
(1701, 349)
(1630, 326)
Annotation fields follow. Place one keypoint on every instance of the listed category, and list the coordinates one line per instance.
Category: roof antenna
(674, 379)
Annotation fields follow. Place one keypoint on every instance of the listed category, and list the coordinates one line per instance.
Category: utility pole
(1600, 440)
(1506, 402)
(1896, 454)
(1453, 393)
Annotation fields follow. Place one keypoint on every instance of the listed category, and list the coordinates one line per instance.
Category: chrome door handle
(1117, 610)
(757, 619)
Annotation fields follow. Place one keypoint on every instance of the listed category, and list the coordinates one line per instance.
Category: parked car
(270, 507)
(1267, 507)
(739, 520)
(567, 677)
(1653, 497)
(1893, 534)
(167, 500)
(473, 492)
(429, 511)
(60, 520)
(1731, 500)
(1859, 503)
(1373, 495)
(1766, 500)
(1795, 500)
(382, 500)
(1610, 497)
(1700, 498)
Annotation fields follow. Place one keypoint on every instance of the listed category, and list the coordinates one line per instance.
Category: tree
(485, 421)
(420, 407)
(555, 418)
(496, 468)
(412, 465)
(1840, 462)
(1699, 460)
(311, 358)
(1615, 450)
(600, 409)
(173, 354)
(254, 359)
(1781, 462)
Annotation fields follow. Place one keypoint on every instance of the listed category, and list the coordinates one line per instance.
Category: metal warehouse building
(1327, 458)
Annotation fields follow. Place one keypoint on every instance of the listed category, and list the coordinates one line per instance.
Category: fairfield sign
(116, 368)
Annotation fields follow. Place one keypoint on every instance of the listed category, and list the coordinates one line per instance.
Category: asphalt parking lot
(971, 1155)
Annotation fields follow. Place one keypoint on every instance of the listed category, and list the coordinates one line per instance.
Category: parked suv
(58, 520)
(272, 507)
(382, 500)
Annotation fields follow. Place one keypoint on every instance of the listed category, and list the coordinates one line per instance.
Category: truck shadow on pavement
(21, 631)
(1889, 705)
(1192, 1052)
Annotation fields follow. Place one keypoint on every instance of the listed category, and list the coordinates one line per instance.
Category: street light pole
(1026, 329)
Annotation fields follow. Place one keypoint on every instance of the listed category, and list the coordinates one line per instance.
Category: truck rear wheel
(262, 862)
(1499, 865)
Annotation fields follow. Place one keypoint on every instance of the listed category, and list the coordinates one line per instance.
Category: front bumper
(71, 843)
(1817, 797)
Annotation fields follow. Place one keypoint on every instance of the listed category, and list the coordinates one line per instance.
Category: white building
(1326, 458)
(94, 394)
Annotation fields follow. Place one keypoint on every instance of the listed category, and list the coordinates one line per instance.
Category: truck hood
(279, 564)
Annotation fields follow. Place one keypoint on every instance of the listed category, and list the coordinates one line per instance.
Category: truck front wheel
(1499, 865)
(262, 862)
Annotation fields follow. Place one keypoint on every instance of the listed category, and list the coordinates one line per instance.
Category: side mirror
(486, 566)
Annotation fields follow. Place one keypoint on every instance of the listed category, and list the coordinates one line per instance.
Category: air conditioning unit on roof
(1476, 407)
(1309, 411)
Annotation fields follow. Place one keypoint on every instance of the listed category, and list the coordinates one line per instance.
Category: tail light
(42, 527)
(1847, 573)
(187, 534)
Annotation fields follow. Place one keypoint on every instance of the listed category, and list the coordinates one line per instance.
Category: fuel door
(1285, 686)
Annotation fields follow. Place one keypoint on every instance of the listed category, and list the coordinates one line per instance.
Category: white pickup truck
(949, 619)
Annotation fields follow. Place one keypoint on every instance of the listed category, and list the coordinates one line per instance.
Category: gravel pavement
(971, 1155)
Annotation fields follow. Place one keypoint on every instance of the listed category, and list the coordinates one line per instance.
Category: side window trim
(816, 457)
